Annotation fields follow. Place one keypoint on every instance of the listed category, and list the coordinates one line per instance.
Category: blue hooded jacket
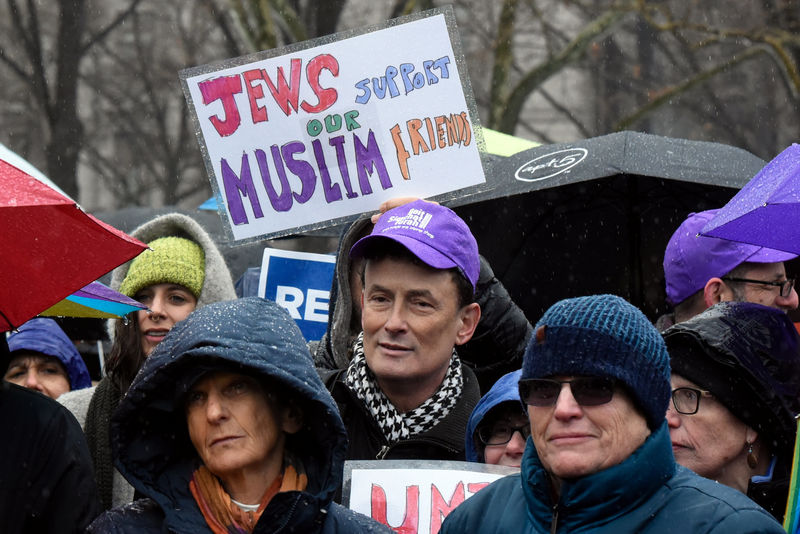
(45, 336)
(150, 441)
(504, 390)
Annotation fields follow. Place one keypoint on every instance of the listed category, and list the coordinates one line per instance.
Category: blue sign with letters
(301, 283)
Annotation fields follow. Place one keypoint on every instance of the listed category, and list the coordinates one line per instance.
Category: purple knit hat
(691, 260)
(433, 233)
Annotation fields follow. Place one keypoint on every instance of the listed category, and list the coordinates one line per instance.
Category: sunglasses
(587, 391)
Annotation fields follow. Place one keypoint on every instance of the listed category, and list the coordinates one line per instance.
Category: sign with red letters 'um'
(414, 496)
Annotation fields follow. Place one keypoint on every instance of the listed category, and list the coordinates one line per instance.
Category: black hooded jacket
(748, 356)
(46, 479)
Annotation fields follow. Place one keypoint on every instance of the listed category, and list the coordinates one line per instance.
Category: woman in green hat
(182, 271)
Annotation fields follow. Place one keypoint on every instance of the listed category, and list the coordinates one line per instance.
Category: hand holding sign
(393, 203)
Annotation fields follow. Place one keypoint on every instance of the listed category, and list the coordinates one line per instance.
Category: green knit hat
(171, 260)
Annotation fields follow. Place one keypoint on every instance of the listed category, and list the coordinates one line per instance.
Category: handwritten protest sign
(300, 282)
(304, 136)
(414, 495)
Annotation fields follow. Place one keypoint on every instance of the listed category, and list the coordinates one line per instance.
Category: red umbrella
(49, 247)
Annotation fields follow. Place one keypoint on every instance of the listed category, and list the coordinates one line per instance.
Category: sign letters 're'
(300, 282)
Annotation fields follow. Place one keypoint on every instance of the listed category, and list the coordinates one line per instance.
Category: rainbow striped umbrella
(791, 521)
(95, 300)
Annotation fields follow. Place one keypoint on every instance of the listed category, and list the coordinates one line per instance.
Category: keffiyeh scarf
(394, 425)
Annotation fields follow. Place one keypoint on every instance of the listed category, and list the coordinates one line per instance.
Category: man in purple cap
(405, 393)
(700, 271)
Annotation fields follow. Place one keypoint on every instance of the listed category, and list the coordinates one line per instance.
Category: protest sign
(301, 283)
(312, 134)
(414, 496)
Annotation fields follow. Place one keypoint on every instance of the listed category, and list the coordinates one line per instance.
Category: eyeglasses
(587, 391)
(786, 286)
(501, 433)
(687, 400)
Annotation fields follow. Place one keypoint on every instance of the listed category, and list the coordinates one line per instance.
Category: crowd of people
(215, 414)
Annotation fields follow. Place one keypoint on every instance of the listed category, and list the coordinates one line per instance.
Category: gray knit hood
(218, 284)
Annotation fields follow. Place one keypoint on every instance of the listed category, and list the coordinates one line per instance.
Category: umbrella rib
(7, 320)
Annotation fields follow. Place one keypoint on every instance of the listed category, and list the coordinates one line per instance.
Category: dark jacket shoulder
(46, 477)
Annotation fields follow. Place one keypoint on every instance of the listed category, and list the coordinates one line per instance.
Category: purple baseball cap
(691, 260)
(433, 233)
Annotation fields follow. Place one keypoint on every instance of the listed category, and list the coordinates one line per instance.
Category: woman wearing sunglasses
(736, 384)
(595, 378)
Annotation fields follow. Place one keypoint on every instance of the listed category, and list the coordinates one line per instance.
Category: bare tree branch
(103, 33)
(509, 117)
(672, 92)
(503, 59)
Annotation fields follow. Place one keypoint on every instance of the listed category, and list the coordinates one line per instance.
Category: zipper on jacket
(385, 449)
(288, 516)
(554, 524)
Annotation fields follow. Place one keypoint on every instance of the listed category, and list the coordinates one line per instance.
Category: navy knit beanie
(603, 335)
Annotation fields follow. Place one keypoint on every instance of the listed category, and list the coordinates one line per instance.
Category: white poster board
(308, 135)
(414, 496)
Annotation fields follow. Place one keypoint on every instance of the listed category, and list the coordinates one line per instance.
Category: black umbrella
(594, 216)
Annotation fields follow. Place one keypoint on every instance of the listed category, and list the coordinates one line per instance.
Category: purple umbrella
(766, 211)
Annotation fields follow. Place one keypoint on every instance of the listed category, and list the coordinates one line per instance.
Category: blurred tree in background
(43, 47)
(91, 93)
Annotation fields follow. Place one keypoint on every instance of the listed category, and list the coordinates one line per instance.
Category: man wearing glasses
(596, 381)
(700, 271)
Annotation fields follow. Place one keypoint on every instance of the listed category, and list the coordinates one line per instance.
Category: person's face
(711, 442)
(235, 427)
(168, 304)
(411, 321)
(766, 295)
(513, 420)
(574, 441)
(40, 372)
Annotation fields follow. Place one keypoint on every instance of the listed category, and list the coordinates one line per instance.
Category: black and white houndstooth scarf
(395, 425)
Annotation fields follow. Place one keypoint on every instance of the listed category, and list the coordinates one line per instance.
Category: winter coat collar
(601, 497)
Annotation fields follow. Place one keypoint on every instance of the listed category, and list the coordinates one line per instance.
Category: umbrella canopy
(595, 216)
(96, 301)
(50, 246)
(766, 211)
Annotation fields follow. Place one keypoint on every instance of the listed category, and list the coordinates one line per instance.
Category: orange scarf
(222, 514)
